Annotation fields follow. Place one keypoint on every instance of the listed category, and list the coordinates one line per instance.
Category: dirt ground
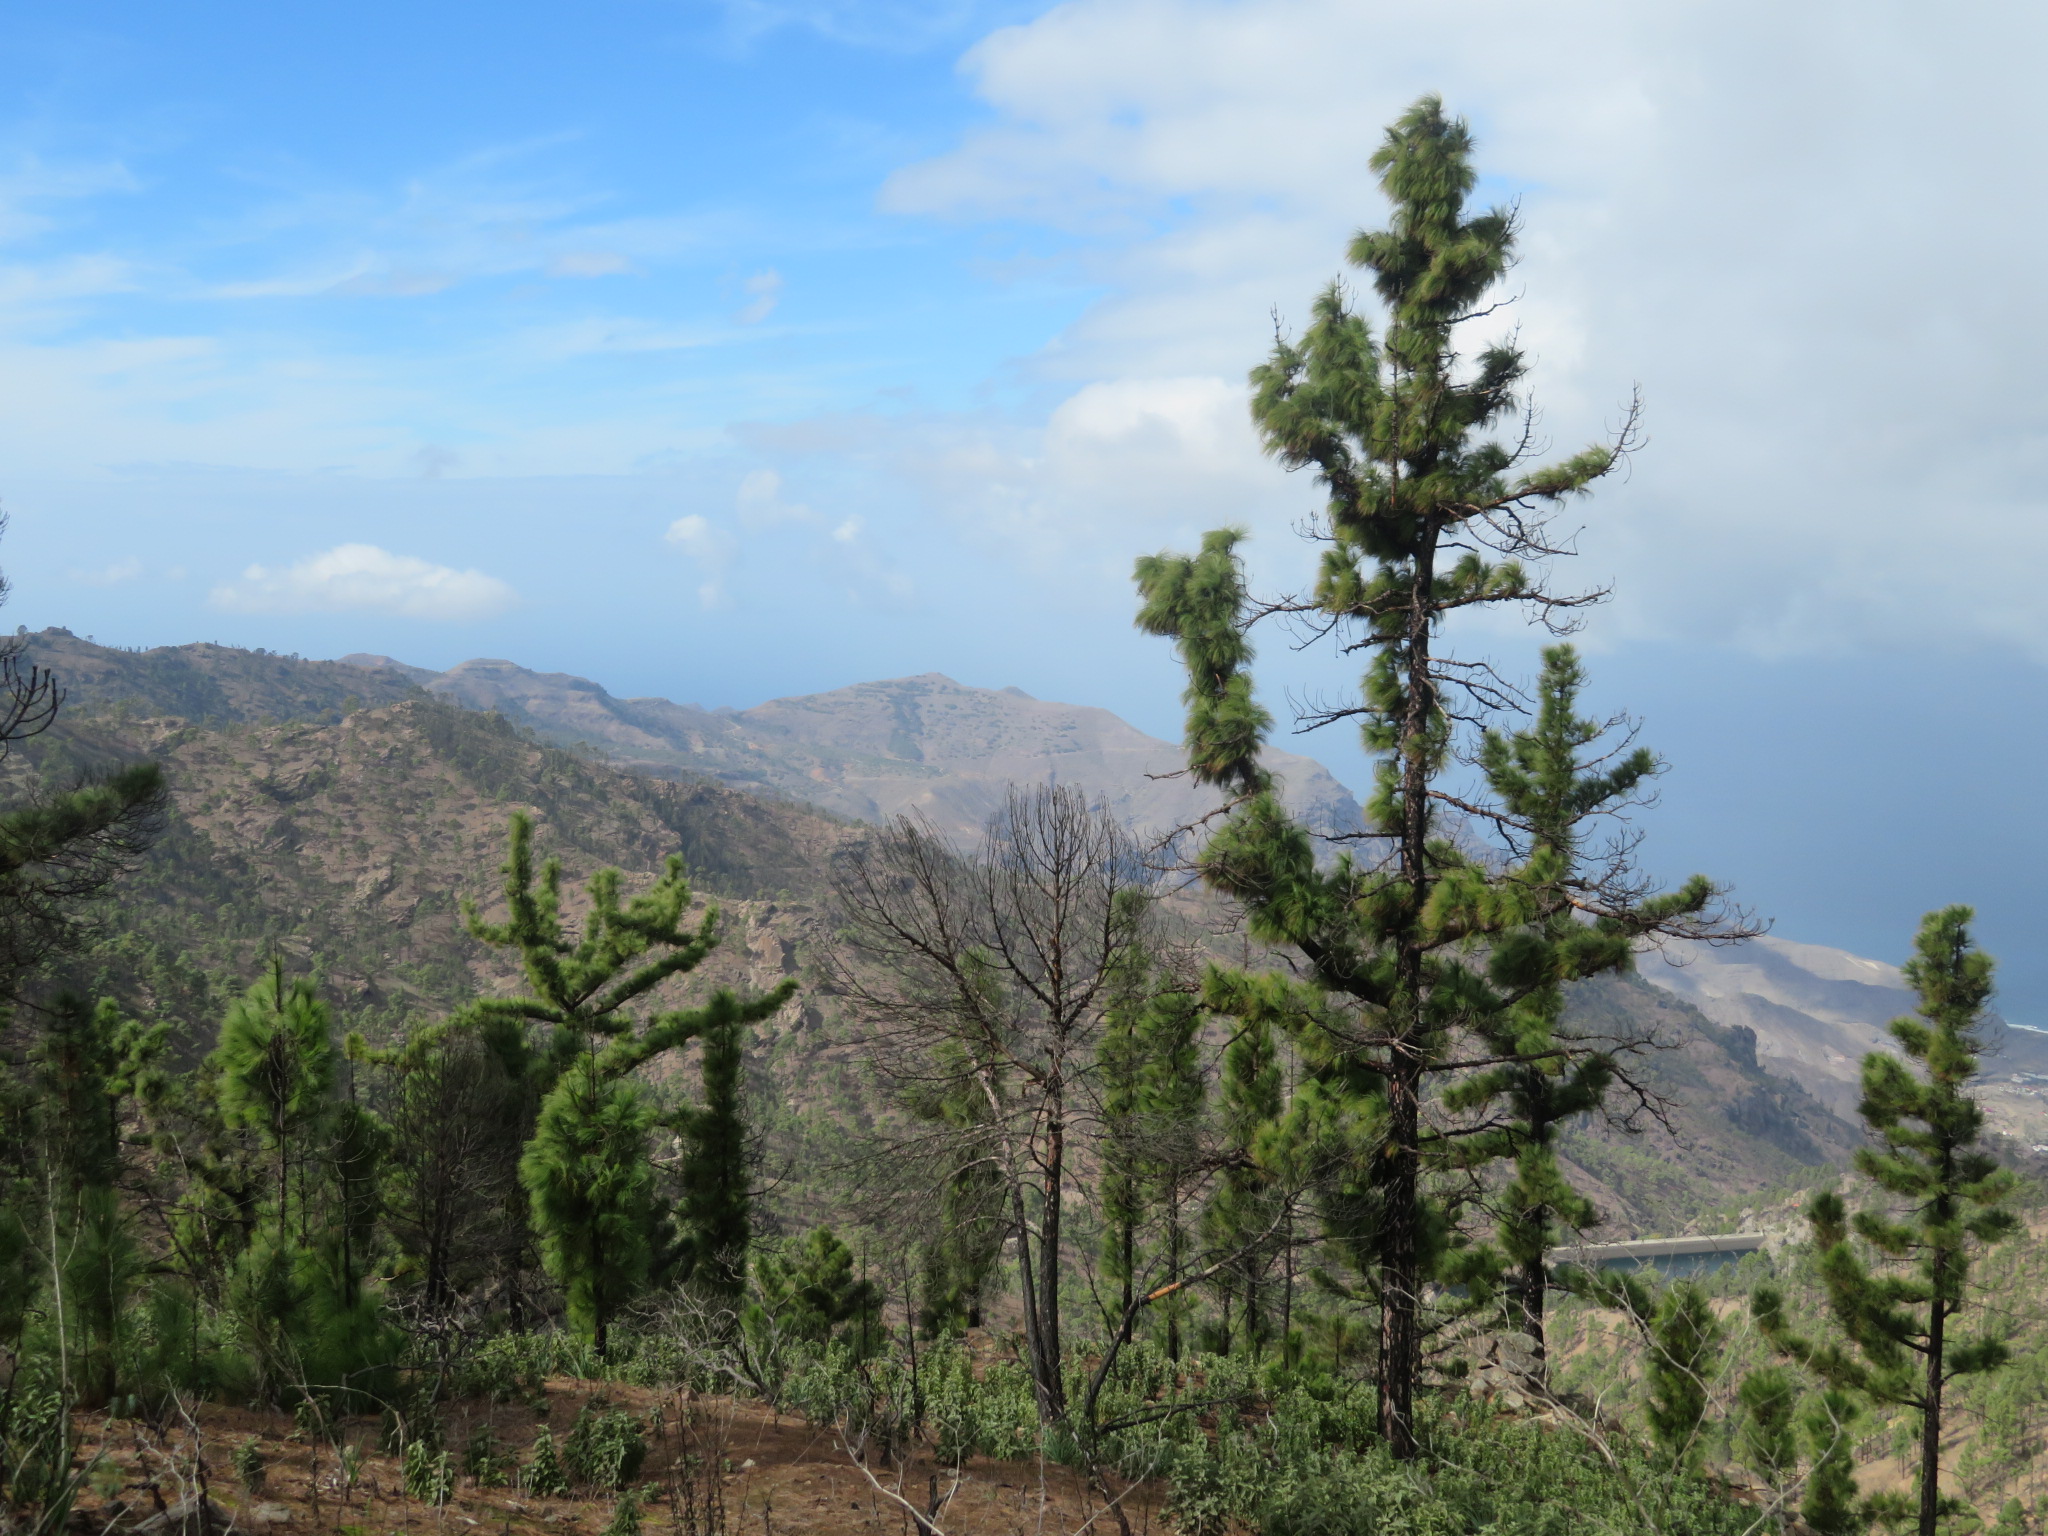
(781, 1478)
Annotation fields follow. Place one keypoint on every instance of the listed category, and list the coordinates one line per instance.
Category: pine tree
(715, 1212)
(1172, 1098)
(1831, 1504)
(590, 1175)
(79, 1065)
(1426, 517)
(1681, 1352)
(972, 1224)
(1956, 1200)
(587, 1169)
(1119, 1190)
(1245, 1204)
(457, 1122)
(298, 1288)
(1685, 1342)
(813, 1291)
(275, 1066)
(1770, 1426)
(88, 1065)
(1151, 1094)
(1549, 783)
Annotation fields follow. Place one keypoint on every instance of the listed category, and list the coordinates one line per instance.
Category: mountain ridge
(1816, 1012)
(924, 744)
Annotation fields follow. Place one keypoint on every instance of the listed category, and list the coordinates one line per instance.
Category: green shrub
(36, 1452)
(543, 1476)
(251, 1470)
(488, 1463)
(625, 1519)
(506, 1369)
(605, 1448)
(429, 1474)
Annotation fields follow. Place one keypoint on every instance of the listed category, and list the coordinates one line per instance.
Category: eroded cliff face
(1816, 1012)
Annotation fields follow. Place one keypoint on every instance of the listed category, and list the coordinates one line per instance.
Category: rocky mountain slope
(350, 846)
(922, 744)
(1816, 1012)
(207, 684)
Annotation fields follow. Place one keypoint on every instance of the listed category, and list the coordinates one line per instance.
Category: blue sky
(726, 351)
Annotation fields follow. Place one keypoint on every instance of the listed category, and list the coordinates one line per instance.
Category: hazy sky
(730, 351)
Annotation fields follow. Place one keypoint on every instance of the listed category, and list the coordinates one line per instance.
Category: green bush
(429, 1474)
(1502, 1477)
(543, 1477)
(36, 1452)
(625, 1519)
(507, 1369)
(488, 1463)
(251, 1470)
(604, 1448)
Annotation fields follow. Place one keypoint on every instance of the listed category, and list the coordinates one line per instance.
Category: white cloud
(396, 283)
(710, 548)
(1119, 467)
(787, 530)
(761, 504)
(1801, 231)
(764, 291)
(494, 213)
(31, 182)
(362, 576)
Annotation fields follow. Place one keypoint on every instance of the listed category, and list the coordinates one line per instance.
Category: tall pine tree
(275, 1065)
(1551, 783)
(1427, 516)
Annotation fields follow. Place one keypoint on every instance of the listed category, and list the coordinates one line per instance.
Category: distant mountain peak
(927, 744)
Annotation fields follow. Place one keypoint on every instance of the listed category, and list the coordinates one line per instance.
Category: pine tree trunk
(1400, 1266)
(1532, 1296)
(1127, 1257)
(1174, 1245)
(1930, 1419)
(1400, 1184)
(1530, 1287)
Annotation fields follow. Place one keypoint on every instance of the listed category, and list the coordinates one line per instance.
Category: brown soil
(781, 1477)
